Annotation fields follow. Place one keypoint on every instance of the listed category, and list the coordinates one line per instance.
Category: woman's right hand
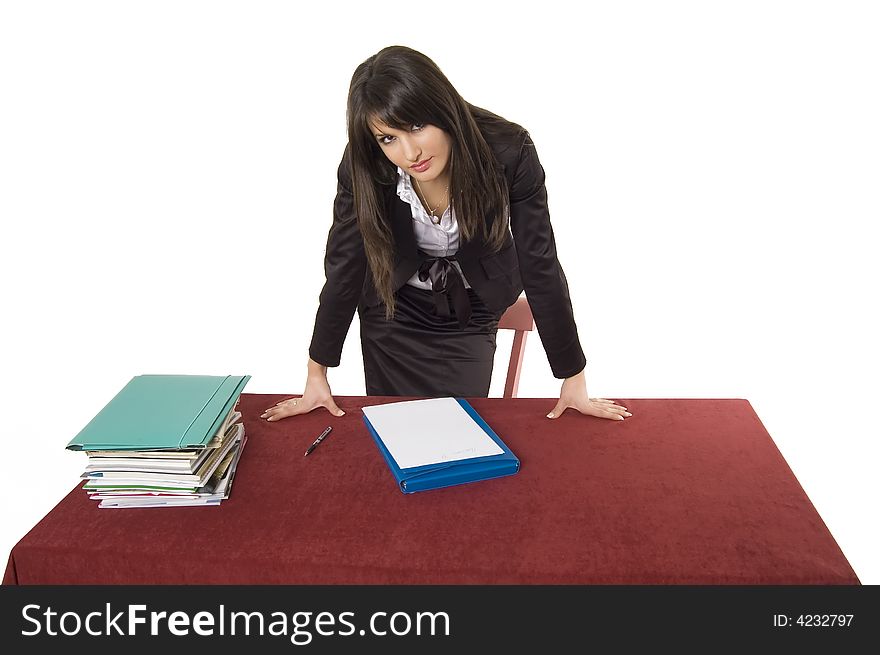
(316, 394)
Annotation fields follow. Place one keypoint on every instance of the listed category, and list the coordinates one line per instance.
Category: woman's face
(419, 143)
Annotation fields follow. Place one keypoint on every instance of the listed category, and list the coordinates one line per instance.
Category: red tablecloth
(683, 492)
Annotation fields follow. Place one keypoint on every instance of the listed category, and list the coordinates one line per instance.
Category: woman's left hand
(574, 395)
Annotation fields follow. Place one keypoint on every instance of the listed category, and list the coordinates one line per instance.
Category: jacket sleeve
(542, 276)
(345, 266)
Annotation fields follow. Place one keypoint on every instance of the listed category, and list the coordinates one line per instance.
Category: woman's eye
(415, 126)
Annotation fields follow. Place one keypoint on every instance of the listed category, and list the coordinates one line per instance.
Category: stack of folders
(438, 442)
(165, 441)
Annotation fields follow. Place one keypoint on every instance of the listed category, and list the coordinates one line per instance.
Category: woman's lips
(422, 167)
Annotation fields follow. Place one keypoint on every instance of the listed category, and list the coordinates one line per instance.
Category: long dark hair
(401, 87)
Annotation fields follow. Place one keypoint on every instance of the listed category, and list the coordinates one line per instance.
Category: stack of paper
(165, 441)
(156, 478)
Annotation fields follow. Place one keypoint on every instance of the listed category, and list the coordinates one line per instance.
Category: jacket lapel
(475, 248)
(406, 256)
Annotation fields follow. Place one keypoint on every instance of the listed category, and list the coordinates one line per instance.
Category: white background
(167, 173)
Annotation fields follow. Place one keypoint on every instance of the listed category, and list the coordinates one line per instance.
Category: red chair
(518, 318)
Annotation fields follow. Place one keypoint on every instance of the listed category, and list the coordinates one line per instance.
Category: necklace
(434, 218)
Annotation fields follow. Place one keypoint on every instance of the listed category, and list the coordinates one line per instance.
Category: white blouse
(437, 240)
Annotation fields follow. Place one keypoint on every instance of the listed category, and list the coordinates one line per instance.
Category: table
(686, 491)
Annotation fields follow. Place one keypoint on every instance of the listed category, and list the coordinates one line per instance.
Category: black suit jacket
(527, 261)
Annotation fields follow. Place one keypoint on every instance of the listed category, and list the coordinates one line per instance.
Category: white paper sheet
(420, 432)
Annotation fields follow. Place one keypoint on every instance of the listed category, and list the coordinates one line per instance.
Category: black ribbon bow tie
(447, 285)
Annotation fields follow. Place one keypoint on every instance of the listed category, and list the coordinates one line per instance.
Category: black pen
(318, 440)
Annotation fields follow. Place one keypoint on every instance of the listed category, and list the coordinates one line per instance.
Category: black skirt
(420, 353)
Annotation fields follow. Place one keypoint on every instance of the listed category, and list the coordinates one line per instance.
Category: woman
(440, 222)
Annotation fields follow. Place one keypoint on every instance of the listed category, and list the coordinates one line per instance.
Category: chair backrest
(518, 318)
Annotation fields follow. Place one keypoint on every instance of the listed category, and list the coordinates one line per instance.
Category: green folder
(154, 412)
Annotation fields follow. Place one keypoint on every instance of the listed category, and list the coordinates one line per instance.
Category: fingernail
(550, 415)
(619, 417)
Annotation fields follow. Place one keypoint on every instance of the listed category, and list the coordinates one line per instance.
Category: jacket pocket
(501, 263)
